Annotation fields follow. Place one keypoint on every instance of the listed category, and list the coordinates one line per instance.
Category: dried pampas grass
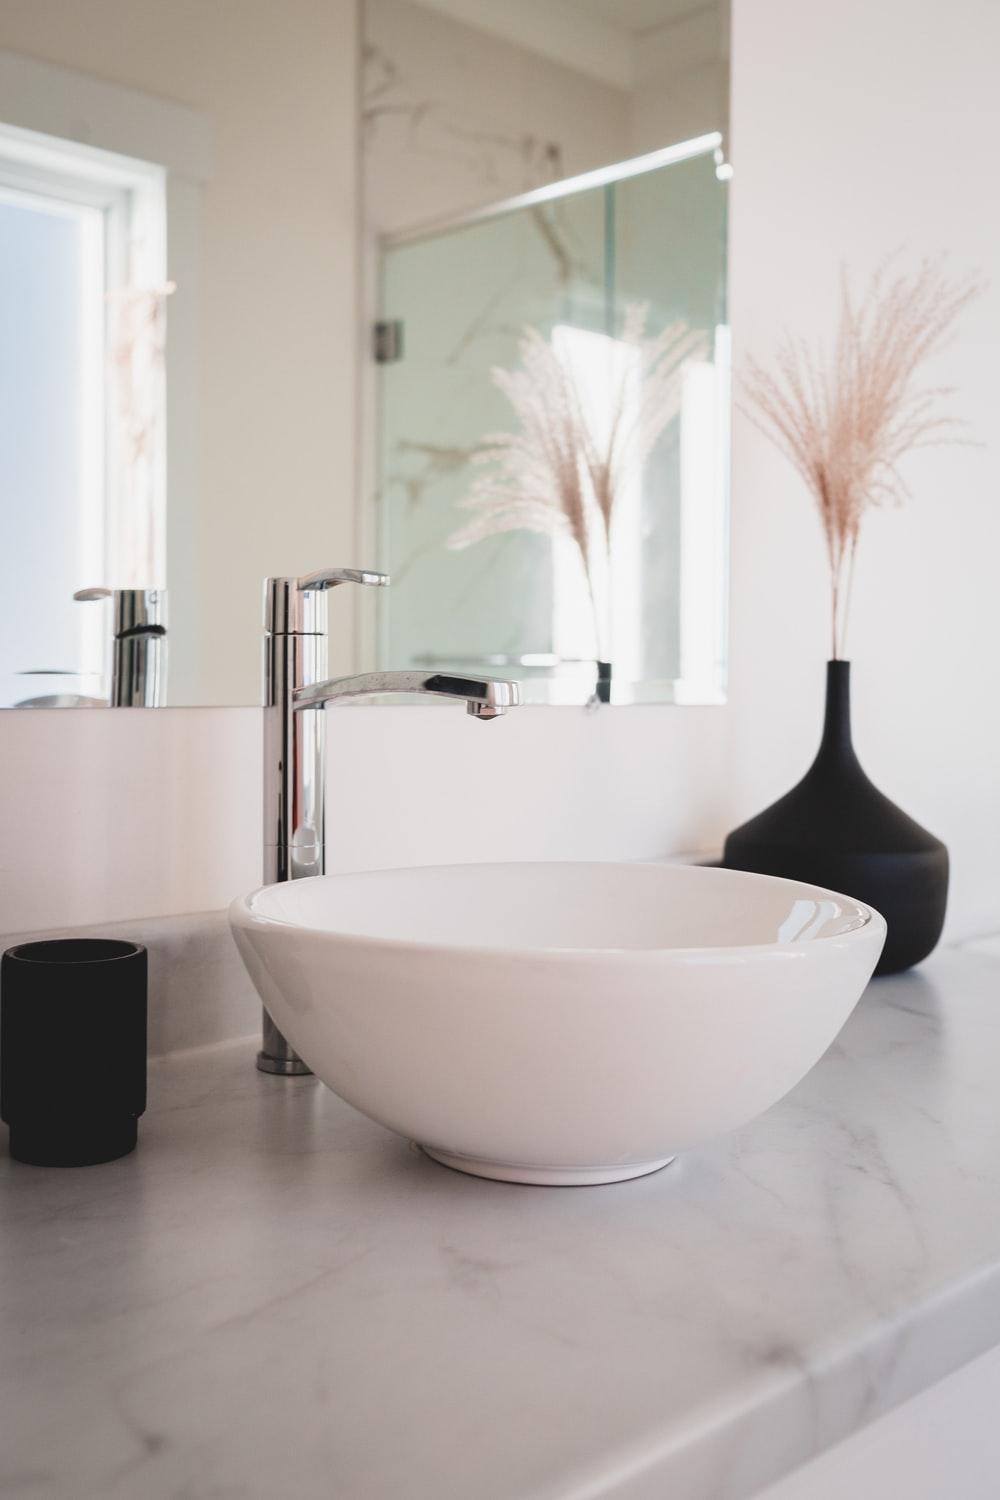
(846, 419)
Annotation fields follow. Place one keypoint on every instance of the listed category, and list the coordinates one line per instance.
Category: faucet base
(287, 1066)
(277, 1055)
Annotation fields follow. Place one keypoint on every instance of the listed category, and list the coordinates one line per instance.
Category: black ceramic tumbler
(73, 1049)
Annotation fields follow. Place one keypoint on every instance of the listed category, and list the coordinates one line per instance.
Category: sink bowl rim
(867, 924)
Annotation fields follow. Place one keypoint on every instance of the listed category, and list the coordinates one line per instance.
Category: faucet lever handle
(84, 596)
(328, 578)
(291, 605)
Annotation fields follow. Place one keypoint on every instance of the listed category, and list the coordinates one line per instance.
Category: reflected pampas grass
(845, 418)
(563, 467)
(136, 378)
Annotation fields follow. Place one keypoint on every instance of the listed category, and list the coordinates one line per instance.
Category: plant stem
(601, 646)
(852, 548)
(835, 594)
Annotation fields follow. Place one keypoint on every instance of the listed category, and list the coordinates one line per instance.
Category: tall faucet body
(295, 656)
(138, 645)
(295, 686)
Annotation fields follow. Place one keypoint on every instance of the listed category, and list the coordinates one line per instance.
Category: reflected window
(82, 408)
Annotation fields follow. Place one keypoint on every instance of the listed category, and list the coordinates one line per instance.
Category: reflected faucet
(295, 682)
(139, 644)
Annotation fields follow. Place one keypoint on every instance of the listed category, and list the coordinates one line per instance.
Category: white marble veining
(455, 118)
(274, 1296)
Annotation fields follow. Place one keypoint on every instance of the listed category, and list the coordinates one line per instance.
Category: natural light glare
(601, 367)
(704, 459)
(91, 512)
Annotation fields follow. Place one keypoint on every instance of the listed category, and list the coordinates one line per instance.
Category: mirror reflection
(551, 488)
(537, 423)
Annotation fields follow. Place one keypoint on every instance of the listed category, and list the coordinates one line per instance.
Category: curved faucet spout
(484, 697)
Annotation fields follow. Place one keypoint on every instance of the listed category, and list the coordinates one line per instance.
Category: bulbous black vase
(837, 830)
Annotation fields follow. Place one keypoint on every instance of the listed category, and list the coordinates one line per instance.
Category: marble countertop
(274, 1297)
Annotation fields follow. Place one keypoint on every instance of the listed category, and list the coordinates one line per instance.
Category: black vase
(836, 829)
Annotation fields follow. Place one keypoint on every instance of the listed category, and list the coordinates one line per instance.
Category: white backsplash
(109, 815)
(150, 812)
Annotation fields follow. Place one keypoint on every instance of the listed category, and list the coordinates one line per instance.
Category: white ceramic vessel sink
(558, 1023)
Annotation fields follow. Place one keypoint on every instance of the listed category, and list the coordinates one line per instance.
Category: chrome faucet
(295, 682)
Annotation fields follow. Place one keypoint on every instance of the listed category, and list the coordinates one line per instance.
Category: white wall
(277, 295)
(861, 129)
(147, 812)
(125, 813)
(455, 118)
(844, 149)
(681, 80)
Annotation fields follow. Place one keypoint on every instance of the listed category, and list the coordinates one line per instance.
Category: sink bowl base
(502, 1171)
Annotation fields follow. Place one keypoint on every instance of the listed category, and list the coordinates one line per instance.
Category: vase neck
(836, 739)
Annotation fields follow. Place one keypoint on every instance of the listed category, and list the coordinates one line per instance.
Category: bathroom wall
(455, 118)
(148, 812)
(838, 158)
(858, 131)
(845, 151)
(276, 310)
(681, 86)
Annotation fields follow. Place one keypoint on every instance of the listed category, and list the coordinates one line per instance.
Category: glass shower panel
(462, 298)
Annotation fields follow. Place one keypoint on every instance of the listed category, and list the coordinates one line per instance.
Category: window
(82, 406)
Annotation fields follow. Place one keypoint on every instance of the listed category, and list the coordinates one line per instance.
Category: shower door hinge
(388, 341)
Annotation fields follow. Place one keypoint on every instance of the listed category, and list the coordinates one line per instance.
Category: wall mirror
(545, 223)
(538, 450)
